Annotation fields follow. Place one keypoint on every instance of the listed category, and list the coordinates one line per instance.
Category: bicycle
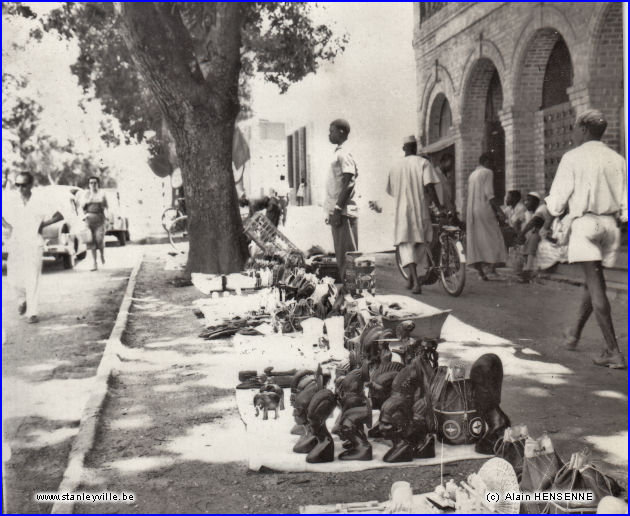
(447, 261)
(175, 223)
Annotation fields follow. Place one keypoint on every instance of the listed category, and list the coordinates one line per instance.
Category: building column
(579, 97)
(460, 173)
(523, 151)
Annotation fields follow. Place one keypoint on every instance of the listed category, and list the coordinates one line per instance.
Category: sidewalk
(171, 434)
(48, 372)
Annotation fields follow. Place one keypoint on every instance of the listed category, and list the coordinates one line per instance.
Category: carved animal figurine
(276, 389)
(266, 401)
(356, 412)
(319, 410)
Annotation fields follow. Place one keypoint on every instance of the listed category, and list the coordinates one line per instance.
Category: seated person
(515, 210)
(516, 215)
(538, 218)
(269, 203)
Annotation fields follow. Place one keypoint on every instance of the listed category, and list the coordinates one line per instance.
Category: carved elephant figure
(266, 401)
(272, 387)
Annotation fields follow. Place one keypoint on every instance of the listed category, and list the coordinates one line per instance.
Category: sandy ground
(171, 434)
(48, 371)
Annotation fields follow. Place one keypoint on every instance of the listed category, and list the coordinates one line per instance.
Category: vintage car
(117, 222)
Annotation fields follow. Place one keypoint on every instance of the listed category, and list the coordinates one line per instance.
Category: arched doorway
(442, 150)
(482, 131)
(494, 136)
(440, 119)
(544, 124)
(558, 116)
(606, 70)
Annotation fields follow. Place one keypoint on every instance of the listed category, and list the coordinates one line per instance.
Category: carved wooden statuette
(319, 410)
(404, 415)
(486, 376)
(300, 380)
(356, 412)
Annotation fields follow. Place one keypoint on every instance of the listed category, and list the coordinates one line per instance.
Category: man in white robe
(412, 183)
(484, 239)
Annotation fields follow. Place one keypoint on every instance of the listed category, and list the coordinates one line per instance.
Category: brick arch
(478, 76)
(530, 148)
(606, 73)
(534, 37)
(530, 70)
(490, 52)
(441, 84)
(475, 90)
(434, 117)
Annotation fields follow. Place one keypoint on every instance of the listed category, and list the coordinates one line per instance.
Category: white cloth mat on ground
(270, 443)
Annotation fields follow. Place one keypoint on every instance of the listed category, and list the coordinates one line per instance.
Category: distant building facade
(268, 157)
(508, 79)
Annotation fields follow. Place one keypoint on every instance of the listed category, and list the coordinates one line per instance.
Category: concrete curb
(89, 418)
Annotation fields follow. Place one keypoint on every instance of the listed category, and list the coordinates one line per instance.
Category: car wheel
(121, 238)
(69, 260)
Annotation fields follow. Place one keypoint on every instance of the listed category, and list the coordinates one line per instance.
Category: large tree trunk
(200, 113)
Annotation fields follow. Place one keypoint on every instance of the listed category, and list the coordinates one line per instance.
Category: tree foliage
(185, 67)
(279, 41)
(29, 147)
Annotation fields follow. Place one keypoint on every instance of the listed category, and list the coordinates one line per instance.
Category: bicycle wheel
(452, 267)
(168, 216)
(401, 269)
(178, 233)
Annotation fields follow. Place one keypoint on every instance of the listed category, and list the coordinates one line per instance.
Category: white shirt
(283, 189)
(517, 215)
(406, 182)
(342, 163)
(590, 179)
(25, 218)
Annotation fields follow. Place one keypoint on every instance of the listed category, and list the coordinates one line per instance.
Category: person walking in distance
(411, 180)
(24, 215)
(484, 239)
(591, 183)
(340, 208)
(95, 208)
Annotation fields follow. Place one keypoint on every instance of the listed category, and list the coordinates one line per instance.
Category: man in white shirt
(25, 214)
(591, 182)
(515, 210)
(338, 204)
(412, 183)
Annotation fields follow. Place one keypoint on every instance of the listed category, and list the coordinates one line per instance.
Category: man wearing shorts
(591, 182)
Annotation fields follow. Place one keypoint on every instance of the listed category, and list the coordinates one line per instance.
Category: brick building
(509, 78)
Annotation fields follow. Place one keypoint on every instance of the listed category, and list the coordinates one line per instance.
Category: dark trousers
(345, 239)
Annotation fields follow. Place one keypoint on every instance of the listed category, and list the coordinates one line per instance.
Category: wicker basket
(260, 229)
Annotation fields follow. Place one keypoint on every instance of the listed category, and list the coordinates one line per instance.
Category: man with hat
(536, 218)
(591, 184)
(341, 209)
(410, 181)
